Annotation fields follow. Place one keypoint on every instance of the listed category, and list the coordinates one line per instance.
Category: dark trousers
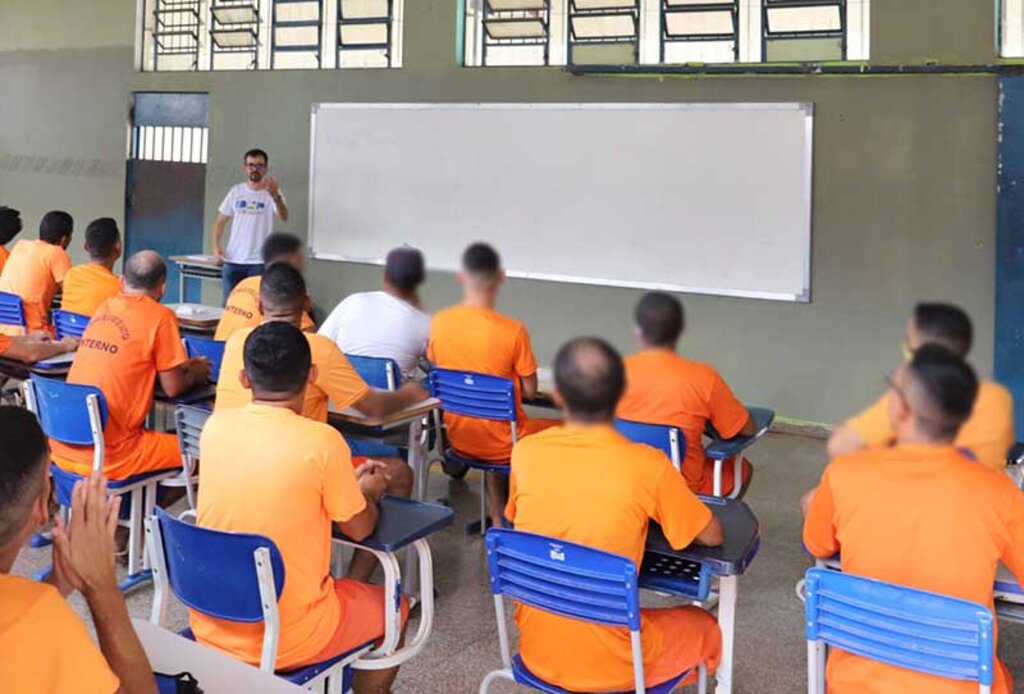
(233, 273)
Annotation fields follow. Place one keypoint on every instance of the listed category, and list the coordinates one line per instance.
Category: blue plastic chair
(904, 627)
(378, 372)
(188, 425)
(232, 576)
(211, 349)
(12, 311)
(668, 439)
(720, 450)
(76, 415)
(68, 324)
(481, 396)
(571, 581)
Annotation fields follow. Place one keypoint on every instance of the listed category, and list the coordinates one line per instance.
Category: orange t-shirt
(663, 387)
(589, 485)
(44, 646)
(33, 271)
(86, 287)
(4, 255)
(467, 338)
(268, 471)
(926, 517)
(988, 434)
(337, 381)
(129, 340)
(242, 310)
(5, 343)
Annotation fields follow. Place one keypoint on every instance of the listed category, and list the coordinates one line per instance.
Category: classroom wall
(904, 177)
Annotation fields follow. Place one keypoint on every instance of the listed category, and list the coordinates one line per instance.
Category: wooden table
(197, 267)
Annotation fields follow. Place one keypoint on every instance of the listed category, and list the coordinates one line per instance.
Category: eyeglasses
(250, 165)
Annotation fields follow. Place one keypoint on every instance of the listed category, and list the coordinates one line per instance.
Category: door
(166, 177)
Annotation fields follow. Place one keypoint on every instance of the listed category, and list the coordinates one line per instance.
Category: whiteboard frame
(808, 157)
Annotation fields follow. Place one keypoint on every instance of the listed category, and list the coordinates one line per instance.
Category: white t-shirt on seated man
(387, 323)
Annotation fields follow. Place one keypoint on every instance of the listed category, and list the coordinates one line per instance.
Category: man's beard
(255, 177)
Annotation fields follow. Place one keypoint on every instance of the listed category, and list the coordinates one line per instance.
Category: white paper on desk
(65, 358)
(201, 258)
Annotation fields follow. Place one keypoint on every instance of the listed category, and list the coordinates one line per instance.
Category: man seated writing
(242, 309)
(585, 483)
(988, 432)
(919, 513)
(663, 387)
(44, 646)
(271, 471)
(35, 269)
(131, 342)
(89, 285)
(473, 336)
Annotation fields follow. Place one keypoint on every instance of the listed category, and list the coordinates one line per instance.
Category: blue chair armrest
(1016, 456)
(402, 522)
(721, 449)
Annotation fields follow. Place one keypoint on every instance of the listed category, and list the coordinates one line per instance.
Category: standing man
(252, 206)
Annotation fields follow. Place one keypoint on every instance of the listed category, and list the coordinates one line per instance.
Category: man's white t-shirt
(252, 215)
(376, 324)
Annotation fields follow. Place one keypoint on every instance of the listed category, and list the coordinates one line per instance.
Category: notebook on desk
(60, 360)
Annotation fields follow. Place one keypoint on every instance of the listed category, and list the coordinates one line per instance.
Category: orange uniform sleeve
(728, 414)
(819, 524)
(526, 363)
(681, 515)
(1013, 552)
(343, 499)
(5, 343)
(168, 351)
(873, 425)
(60, 263)
(338, 378)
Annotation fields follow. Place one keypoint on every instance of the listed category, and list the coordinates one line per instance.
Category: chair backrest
(68, 324)
(908, 628)
(212, 571)
(668, 439)
(378, 372)
(12, 310)
(189, 422)
(211, 349)
(474, 395)
(63, 410)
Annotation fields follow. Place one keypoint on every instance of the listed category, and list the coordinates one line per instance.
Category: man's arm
(185, 376)
(528, 386)
(31, 350)
(218, 234)
(750, 427)
(712, 535)
(380, 403)
(372, 481)
(275, 194)
(844, 440)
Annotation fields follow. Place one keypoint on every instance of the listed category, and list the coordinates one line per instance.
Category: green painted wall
(904, 177)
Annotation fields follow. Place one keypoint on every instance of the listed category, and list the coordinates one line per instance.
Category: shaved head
(939, 388)
(145, 271)
(590, 378)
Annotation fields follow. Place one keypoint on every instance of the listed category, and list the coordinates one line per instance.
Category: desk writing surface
(200, 393)
(196, 314)
(403, 521)
(196, 260)
(721, 449)
(56, 362)
(742, 539)
(352, 416)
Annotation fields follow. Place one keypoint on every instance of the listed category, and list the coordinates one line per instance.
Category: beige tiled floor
(770, 650)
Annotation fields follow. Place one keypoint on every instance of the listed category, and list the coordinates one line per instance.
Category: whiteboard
(701, 198)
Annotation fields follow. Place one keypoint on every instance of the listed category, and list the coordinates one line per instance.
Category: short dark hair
(26, 455)
(279, 244)
(950, 386)
(481, 259)
(404, 268)
(56, 226)
(145, 270)
(946, 324)
(591, 377)
(101, 236)
(661, 319)
(10, 224)
(282, 285)
(257, 152)
(277, 358)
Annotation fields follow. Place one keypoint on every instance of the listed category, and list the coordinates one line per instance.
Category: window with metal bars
(202, 35)
(621, 32)
(168, 143)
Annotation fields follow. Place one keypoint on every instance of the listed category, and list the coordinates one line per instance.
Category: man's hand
(69, 344)
(64, 577)
(272, 186)
(199, 369)
(218, 255)
(39, 336)
(86, 549)
(373, 480)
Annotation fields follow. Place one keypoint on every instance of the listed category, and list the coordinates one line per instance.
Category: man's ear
(501, 276)
(243, 378)
(259, 307)
(558, 399)
(314, 373)
(308, 305)
(41, 506)
(460, 277)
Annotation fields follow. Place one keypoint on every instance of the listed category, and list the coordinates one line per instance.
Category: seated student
(919, 513)
(131, 342)
(242, 309)
(663, 387)
(300, 477)
(627, 485)
(988, 433)
(89, 285)
(10, 226)
(472, 336)
(35, 269)
(44, 646)
(387, 323)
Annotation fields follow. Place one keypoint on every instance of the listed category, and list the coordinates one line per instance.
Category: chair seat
(305, 673)
(526, 678)
(64, 481)
(453, 458)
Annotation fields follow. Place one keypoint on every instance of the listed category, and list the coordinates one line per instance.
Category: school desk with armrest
(197, 319)
(904, 627)
(668, 439)
(197, 267)
(380, 373)
(401, 523)
(727, 563)
(69, 324)
(76, 415)
(569, 580)
(232, 576)
(720, 450)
